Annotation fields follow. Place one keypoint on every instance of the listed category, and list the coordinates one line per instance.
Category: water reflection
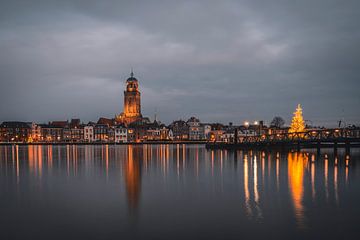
(253, 184)
(256, 190)
(133, 177)
(326, 173)
(296, 165)
(336, 182)
(313, 192)
(246, 186)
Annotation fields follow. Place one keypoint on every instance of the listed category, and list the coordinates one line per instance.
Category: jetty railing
(327, 135)
(313, 138)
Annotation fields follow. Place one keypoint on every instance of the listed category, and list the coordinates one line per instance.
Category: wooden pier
(323, 138)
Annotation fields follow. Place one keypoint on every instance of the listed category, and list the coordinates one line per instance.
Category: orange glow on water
(40, 160)
(31, 157)
(296, 166)
(256, 192)
(326, 176)
(107, 159)
(313, 180)
(132, 179)
(17, 164)
(246, 186)
(49, 156)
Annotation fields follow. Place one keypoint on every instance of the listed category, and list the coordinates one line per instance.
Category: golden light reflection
(145, 150)
(313, 158)
(212, 163)
(184, 155)
(256, 190)
(296, 165)
(263, 169)
(313, 180)
(178, 159)
(326, 176)
(13, 156)
(31, 157)
(277, 173)
(336, 192)
(256, 193)
(246, 186)
(269, 166)
(74, 159)
(221, 162)
(68, 159)
(168, 156)
(107, 160)
(17, 164)
(40, 160)
(49, 157)
(132, 178)
(347, 159)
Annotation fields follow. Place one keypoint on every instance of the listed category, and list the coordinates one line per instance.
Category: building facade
(101, 133)
(89, 133)
(180, 130)
(195, 129)
(15, 131)
(121, 134)
(51, 133)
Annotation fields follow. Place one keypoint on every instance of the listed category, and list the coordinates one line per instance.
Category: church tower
(132, 105)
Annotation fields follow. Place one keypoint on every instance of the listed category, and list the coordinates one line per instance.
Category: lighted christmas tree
(297, 123)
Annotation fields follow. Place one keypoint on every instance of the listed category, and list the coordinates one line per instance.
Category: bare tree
(277, 122)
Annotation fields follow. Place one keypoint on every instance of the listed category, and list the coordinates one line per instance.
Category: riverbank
(104, 143)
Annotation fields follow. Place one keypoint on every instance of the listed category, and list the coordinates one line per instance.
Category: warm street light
(246, 123)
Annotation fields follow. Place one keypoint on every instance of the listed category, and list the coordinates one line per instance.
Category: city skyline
(232, 119)
(70, 60)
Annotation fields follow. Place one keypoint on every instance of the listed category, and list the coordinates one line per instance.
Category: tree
(297, 123)
(277, 122)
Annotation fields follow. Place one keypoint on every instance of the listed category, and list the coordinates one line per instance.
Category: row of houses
(104, 130)
(109, 131)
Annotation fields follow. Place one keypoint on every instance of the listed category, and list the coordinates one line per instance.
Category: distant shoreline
(103, 143)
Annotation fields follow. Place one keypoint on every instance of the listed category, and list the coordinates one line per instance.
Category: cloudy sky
(218, 60)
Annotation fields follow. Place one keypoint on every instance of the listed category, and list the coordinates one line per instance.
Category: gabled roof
(193, 119)
(178, 123)
(91, 124)
(107, 121)
(75, 123)
(61, 124)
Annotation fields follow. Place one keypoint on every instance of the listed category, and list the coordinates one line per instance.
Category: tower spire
(132, 72)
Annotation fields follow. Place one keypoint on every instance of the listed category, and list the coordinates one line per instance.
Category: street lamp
(256, 123)
(247, 124)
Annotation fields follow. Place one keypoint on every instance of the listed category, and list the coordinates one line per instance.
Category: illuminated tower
(132, 105)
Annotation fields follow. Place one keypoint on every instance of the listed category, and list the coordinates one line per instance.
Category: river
(176, 192)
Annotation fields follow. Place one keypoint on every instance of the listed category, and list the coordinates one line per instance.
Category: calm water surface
(177, 192)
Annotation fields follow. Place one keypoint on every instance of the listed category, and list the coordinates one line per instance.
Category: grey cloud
(220, 60)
